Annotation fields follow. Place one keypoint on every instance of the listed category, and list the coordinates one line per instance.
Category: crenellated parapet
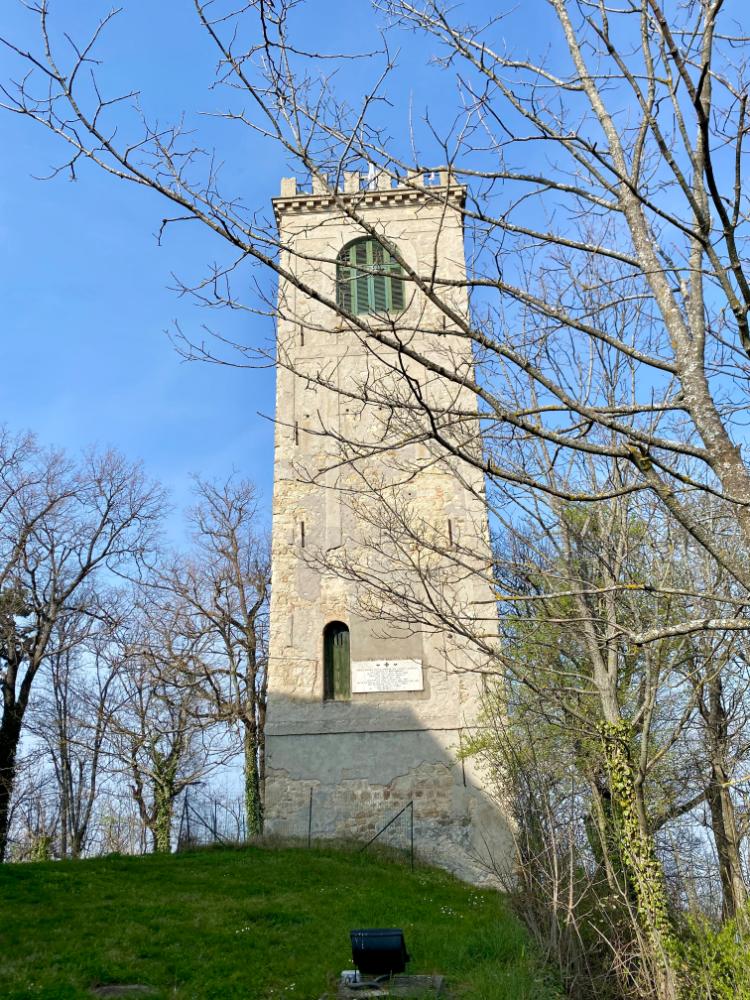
(322, 191)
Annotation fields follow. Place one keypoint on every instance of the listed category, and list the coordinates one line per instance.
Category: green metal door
(337, 672)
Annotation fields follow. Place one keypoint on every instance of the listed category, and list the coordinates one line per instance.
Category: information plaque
(386, 675)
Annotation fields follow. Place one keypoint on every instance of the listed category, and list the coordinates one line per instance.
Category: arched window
(368, 279)
(337, 683)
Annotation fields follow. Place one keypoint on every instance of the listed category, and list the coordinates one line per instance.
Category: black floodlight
(379, 951)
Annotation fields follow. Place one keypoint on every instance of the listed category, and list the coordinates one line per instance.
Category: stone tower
(369, 699)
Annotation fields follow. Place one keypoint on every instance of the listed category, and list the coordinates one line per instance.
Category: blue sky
(85, 289)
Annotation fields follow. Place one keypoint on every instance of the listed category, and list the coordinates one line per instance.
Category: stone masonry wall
(394, 745)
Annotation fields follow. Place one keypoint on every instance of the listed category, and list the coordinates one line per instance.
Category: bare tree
(225, 582)
(61, 523)
(72, 715)
(597, 803)
(718, 671)
(34, 815)
(162, 736)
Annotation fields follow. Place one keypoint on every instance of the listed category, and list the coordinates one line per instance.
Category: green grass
(255, 923)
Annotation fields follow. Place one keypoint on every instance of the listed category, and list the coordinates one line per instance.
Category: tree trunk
(599, 831)
(724, 828)
(64, 785)
(161, 828)
(721, 806)
(642, 869)
(64, 821)
(76, 843)
(10, 734)
(253, 790)
(262, 707)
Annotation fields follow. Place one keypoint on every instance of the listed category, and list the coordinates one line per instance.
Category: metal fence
(205, 820)
(365, 819)
(368, 816)
(391, 830)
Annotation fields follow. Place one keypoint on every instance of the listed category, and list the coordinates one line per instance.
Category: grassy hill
(256, 924)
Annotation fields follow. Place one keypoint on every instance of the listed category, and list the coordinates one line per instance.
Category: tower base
(348, 786)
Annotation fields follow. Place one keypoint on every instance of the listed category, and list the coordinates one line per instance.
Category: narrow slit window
(296, 432)
(302, 533)
(450, 532)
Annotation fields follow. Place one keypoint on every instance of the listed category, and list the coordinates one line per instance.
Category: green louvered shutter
(344, 277)
(396, 286)
(362, 262)
(368, 279)
(380, 280)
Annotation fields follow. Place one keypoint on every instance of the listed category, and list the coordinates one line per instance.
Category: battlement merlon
(368, 191)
